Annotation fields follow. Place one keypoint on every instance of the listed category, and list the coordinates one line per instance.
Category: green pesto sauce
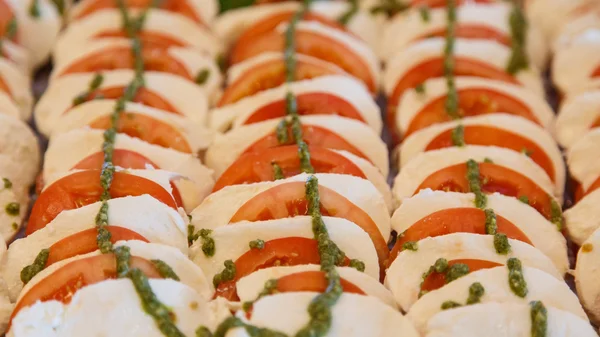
(524, 199)
(390, 7)
(13, 208)
(474, 179)
(556, 215)
(7, 183)
(501, 244)
(104, 236)
(518, 29)
(37, 266)
(208, 243)
(192, 236)
(202, 76)
(425, 13)
(304, 154)
(34, 9)
(226, 5)
(452, 104)
(410, 245)
(350, 13)
(269, 288)
(282, 132)
(14, 226)
(476, 291)
(95, 83)
(256, 244)
(539, 319)
(277, 171)
(420, 88)
(458, 136)
(233, 322)
(456, 271)
(164, 269)
(227, 274)
(526, 152)
(450, 305)
(515, 277)
(491, 227)
(440, 266)
(357, 264)
(488, 160)
(60, 6)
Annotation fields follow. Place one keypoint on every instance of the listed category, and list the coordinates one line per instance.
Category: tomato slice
(67, 280)
(290, 251)
(308, 104)
(177, 6)
(258, 166)
(580, 193)
(144, 96)
(494, 178)
(269, 23)
(444, 3)
(289, 199)
(147, 129)
(313, 281)
(272, 74)
(122, 158)
(454, 220)
(311, 44)
(472, 102)
(436, 280)
(4, 87)
(493, 136)
(312, 135)
(596, 123)
(83, 188)
(148, 39)
(596, 73)
(120, 57)
(473, 32)
(86, 242)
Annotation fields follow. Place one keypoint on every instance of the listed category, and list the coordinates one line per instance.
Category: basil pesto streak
(452, 104)
(458, 136)
(539, 319)
(350, 13)
(519, 60)
(95, 83)
(474, 179)
(516, 280)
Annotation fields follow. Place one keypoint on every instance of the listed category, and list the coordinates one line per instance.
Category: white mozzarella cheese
(418, 142)
(576, 116)
(175, 90)
(582, 158)
(542, 233)
(424, 164)
(218, 208)
(144, 215)
(231, 242)
(11, 223)
(583, 219)
(8, 106)
(20, 144)
(572, 67)
(18, 84)
(342, 87)
(6, 307)
(504, 320)
(412, 103)
(587, 272)
(406, 272)
(577, 28)
(495, 281)
(18, 56)
(551, 16)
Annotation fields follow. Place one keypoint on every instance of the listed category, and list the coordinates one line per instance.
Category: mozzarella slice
(583, 219)
(175, 90)
(551, 16)
(495, 281)
(181, 29)
(425, 164)
(585, 54)
(418, 142)
(226, 148)
(11, 223)
(403, 29)
(578, 27)
(18, 56)
(541, 232)
(249, 287)
(232, 241)
(352, 316)
(18, 85)
(8, 106)
(6, 307)
(144, 215)
(412, 103)
(20, 144)
(406, 272)
(117, 302)
(487, 52)
(576, 116)
(582, 156)
(342, 87)
(587, 273)
(197, 137)
(504, 320)
(188, 273)
(66, 150)
(218, 208)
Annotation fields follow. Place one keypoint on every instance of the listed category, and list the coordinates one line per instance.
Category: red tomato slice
(147, 129)
(290, 251)
(596, 124)
(257, 166)
(494, 178)
(144, 96)
(580, 193)
(177, 6)
(313, 281)
(436, 280)
(4, 87)
(596, 73)
(455, 220)
(83, 188)
(269, 23)
(289, 199)
(148, 39)
(272, 74)
(472, 102)
(6, 16)
(67, 280)
(311, 44)
(122, 158)
(474, 32)
(492, 136)
(312, 135)
(155, 59)
(308, 104)
(86, 242)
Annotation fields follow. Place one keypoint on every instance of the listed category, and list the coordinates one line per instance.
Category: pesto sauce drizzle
(425, 13)
(476, 291)
(410, 245)
(458, 136)
(556, 216)
(491, 226)
(452, 104)
(350, 13)
(269, 288)
(164, 269)
(519, 59)
(208, 243)
(516, 280)
(256, 244)
(226, 274)
(539, 319)
(95, 83)
(450, 305)
(37, 266)
(13, 208)
(277, 171)
(34, 9)
(7, 183)
(474, 179)
(202, 76)
(501, 243)
(390, 7)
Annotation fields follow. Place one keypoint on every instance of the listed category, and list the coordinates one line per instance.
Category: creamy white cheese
(576, 116)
